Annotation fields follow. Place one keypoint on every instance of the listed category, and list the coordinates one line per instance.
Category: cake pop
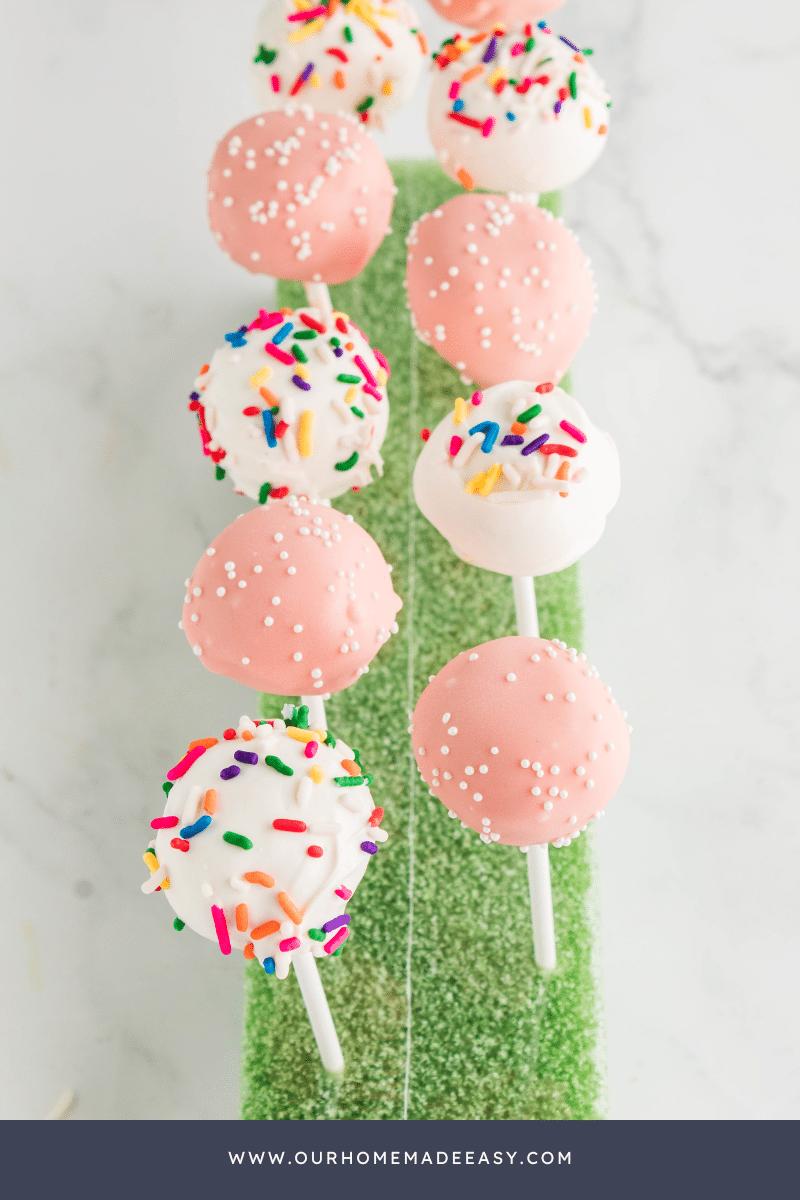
(265, 835)
(299, 194)
(518, 479)
(516, 110)
(362, 57)
(293, 598)
(482, 14)
(296, 401)
(500, 288)
(521, 741)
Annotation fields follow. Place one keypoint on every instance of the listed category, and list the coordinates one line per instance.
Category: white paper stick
(319, 297)
(316, 711)
(544, 937)
(319, 1015)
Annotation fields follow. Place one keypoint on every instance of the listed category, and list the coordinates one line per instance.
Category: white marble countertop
(112, 292)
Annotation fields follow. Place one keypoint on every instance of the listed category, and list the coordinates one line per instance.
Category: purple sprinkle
(301, 383)
(512, 439)
(557, 107)
(338, 351)
(536, 443)
(194, 395)
(490, 51)
(369, 847)
(567, 42)
(307, 71)
(246, 756)
(335, 922)
(282, 333)
(232, 772)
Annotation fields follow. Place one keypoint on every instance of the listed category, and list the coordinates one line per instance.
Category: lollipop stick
(544, 938)
(319, 1015)
(316, 711)
(319, 297)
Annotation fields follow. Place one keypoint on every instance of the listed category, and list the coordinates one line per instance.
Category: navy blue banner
(586, 1160)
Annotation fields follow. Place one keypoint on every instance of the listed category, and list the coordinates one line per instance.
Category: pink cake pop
(520, 740)
(300, 195)
(500, 288)
(293, 598)
(482, 14)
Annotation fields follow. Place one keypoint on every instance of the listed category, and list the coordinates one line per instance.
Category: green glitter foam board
(440, 1009)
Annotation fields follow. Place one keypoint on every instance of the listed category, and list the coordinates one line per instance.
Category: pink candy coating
(482, 14)
(494, 707)
(515, 303)
(299, 195)
(292, 599)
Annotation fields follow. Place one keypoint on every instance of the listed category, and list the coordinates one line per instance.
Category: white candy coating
(528, 522)
(304, 464)
(523, 144)
(382, 61)
(212, 871)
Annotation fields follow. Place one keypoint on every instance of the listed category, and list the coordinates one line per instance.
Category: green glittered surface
(440, 1009)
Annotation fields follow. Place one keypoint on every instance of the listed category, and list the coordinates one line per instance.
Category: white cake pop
(518, 480)
(264, 838)
(295, 402)
(516, 110)
(362, 57)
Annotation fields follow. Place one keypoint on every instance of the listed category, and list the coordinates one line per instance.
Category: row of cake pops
(295, 405)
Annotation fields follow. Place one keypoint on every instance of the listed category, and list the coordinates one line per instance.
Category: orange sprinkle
(332, 7)
(210, 801)
(339, 79)
(451, 52)
(262, 931)
(241, 917)
(249, 950)
(465, 179)
(477, 38)
(351, 767)
(247, 736)
(205, 367)
(518, 427)
(207, 742)
(349, 346)
(602, 129)
(287, 312)
(267, 395)
(563, 473)
(387, 41)
(290, 908)
(259, 877)
(423, 41)
(472, 73)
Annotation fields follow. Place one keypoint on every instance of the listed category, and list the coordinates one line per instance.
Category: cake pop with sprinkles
(521, 741)
(293, 598)
(363, 57)
(518, 479)
(500, 288)
(300, 194)
(294, 402)
(266, 833)
(516, 109)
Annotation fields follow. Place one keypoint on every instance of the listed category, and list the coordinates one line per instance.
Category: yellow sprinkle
(492, 475)
(462, 46)
(462, 409)
(305, 434)
(300, 35)
(302, 5)
(150, 861)
(496, 75)
(476, 482)
(303, 735)
(315, 79)
(260, 378)
(300, 370)
(317, 774)
(587, 118)
(381, 376)
(387, 87)
(335, 313)
(352, 393)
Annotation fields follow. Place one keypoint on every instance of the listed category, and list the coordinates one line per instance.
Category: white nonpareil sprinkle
(197, 649)
(511, 677)
(220, 591)
(245, 662)
(269, 620)
(452, 731)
